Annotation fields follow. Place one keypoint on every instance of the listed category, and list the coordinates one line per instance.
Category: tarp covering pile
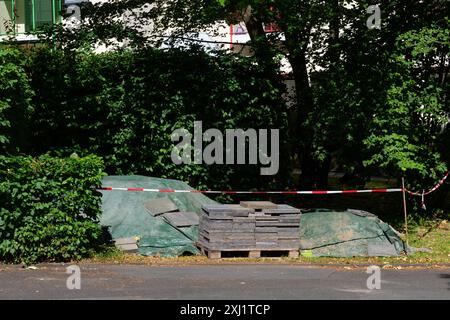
(125, 215)
(322, 232)
(347, 233)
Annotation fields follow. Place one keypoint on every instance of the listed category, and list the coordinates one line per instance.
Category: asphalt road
(209, 282)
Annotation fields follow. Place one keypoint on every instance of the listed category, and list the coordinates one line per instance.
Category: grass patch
(107, 252)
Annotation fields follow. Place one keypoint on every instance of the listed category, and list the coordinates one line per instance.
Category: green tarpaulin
(322, 232)
(125, 215)
(347, 233)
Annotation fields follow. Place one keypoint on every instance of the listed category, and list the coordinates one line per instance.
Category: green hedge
(48, 208)
(15, 100)
(123, 106)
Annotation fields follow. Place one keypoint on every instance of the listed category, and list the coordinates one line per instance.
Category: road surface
(239, 282)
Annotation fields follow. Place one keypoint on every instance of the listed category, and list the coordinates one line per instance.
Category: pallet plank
(214, 253)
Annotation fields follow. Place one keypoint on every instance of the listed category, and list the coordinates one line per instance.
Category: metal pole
(53, 23)
(53, 12)
(60, 11)
(33, 15)
(404, 209)
(13, 7)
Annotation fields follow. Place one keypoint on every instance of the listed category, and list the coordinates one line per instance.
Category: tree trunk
(305, 104)
(260, 44)
(304, 107)
(265, 56)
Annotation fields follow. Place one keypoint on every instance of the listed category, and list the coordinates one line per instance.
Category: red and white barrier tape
(422, 194)
(249, 192)
(425, 193)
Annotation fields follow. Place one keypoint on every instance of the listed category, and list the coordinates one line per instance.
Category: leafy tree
(300, 22)
(353, 93)
(344, 72)
(407, 134)
(338, 64)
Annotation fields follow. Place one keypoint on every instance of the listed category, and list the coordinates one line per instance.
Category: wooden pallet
(248, 252)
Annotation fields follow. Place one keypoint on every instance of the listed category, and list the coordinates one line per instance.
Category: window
(21, 16)
(43, 13)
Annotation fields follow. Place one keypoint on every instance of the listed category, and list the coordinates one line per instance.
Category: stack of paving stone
(129, 244)
(165, 208)
(252, 226)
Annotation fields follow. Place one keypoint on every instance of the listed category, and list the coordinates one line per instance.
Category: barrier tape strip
(425, 193)
(250, 192)
(421, 194)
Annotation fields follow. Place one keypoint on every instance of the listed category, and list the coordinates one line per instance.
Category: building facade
(19, 18)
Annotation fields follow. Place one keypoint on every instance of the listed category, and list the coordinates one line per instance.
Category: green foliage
(407, 132)
(382, 107)
(48, 208)
(15, 99)
(125, 105)
(369, 102)
(348, 113)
